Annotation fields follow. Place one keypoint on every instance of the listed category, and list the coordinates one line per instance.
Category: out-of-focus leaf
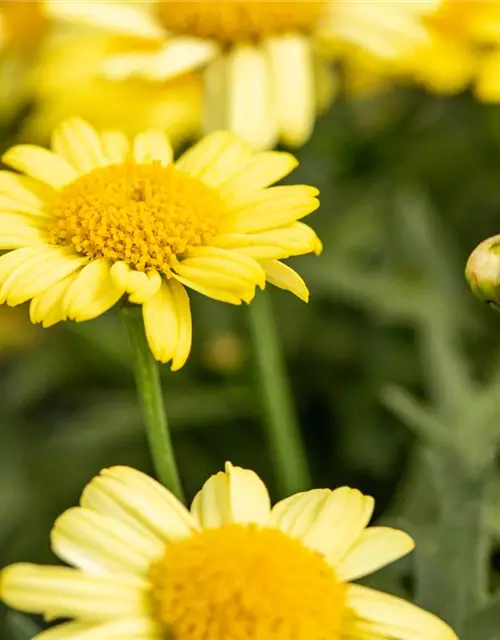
(21, 626)
(485, 623)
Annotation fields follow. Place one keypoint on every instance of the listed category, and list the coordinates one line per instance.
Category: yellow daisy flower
(261, 60)
(67, 82)
(97, 218)
(232, 567)
(462, 50)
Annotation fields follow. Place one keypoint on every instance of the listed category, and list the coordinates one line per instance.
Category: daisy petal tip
(177, 364)
(317, 247)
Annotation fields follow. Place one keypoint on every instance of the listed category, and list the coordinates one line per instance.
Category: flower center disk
(143, 214)
(238, 20)
(246, 582)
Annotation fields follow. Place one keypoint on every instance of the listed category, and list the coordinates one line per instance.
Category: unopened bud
(483, 271)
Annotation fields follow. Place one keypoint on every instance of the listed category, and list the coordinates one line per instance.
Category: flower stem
(147, 380)
(283, 433)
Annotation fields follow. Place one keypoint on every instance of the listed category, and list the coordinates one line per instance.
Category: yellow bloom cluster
(106, 217)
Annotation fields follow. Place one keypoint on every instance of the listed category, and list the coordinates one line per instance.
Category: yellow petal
(251, 110)
(152, 146)
(167, 321)
(161, 324)
(46, 266)
(216, 293)
(47, 307)
(294, 91)
(387, 32)
(41, 164)
(102, 545)
(176, 57)
(375, 548)
(139, 501)
(115, 146)
(260, 171)
(215, 158)
(235, 495)
(379, 615)
(18, 230)
(215, 94)
(297, 239)
(30, 193)
(212, 277)
(78, 142)
(329, 522)
(121, 18)
(64, 592)
(92, 292)
(128, 629)
(272, 208)
(284, 277)
(226, 262)
(138, 284)
(183, 310)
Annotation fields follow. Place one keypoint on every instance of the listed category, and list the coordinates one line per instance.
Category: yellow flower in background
(68, 82)
(462, 50)
(97, 218)
(260, 59)
(22, 27)
(232, 567)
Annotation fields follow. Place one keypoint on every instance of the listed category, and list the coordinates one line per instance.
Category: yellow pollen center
(236, 20)
(143, 214)
(249, 583)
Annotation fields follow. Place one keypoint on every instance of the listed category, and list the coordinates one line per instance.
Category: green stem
(283, 432)
(452, 575)
(147, 380)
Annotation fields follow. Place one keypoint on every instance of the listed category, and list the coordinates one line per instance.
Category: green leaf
(485, 623)
(21, 626)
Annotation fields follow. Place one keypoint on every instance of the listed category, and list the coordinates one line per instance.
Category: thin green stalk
(283, 432)
(147, 380)
(452, 579)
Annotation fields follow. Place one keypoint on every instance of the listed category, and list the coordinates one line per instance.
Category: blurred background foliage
(409, 185)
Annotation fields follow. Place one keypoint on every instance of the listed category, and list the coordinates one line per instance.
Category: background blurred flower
(68, 81)
(22, 27)
(258, 58)
(462, 49)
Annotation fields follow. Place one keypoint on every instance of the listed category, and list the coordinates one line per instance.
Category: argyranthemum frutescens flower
(97, 218)
(233, 567)
(261, 59)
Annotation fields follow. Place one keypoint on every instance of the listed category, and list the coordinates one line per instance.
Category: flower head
(97, 218)
(483, 271)
(232, 567)
(263, 61)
